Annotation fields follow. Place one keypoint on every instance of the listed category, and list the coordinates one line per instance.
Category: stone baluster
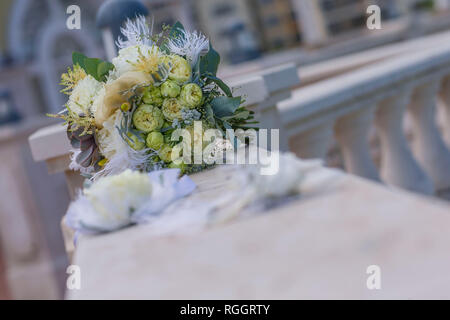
(352, 135)
(445, 97)
(428, 146)
(312, 143)
(398, 167)
(279, 83)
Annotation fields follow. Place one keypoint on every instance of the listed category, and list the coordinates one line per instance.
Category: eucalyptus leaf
(222, 85)
(239, 115)
(225, 106)
(209, 113)
(210, 62)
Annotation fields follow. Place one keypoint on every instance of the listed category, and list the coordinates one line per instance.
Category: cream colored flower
(119, 91)
(109, 139)
(99, 100)
(116, 197)
(82, 97)
(136, 58)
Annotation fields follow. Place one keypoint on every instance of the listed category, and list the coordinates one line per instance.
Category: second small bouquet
(123, 114)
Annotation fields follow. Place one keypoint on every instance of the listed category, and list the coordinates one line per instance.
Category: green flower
(170, 89)
(165, 153)
(191, 95)
(172, 109)
(181, 69)
(134, 142)
(152, 95)
(181, 166)
(148, 118)
(155, 140)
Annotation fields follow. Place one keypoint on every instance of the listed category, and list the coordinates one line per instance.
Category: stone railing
(278, 83)
(325, 239)
(345, 107)
(319, 64)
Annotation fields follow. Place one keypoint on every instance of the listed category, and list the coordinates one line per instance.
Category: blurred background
(36, 47)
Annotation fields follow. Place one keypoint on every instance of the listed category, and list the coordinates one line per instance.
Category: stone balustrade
(346, 106)
(279, 83)
(330, 61)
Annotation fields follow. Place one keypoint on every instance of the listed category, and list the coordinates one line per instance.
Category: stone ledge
(317, 247)
(49, 142)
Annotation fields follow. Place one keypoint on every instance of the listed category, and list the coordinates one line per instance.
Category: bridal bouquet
(124, 114)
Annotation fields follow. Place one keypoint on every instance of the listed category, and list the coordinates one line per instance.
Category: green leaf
(225, 106)
(175, 32)
(103, 69)
(95, 67)
(196, 72)
(210, 62)
(209, 114)
(239, 115)
(78, 58)
(91, 65)
(222, 85)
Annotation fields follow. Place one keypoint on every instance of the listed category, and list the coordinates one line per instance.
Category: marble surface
(318, 246)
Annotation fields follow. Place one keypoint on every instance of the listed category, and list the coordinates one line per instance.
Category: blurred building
(36, 47)
(277, 23)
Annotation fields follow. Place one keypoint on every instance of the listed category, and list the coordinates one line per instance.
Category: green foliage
(225, 106)
(174, 32)
(222, 85)
(209, 64)
(95, 67)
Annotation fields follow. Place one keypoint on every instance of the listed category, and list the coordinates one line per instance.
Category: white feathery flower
(190, 44)
(82, 96)
(119, 154)
(118, 201)
(136, 32)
